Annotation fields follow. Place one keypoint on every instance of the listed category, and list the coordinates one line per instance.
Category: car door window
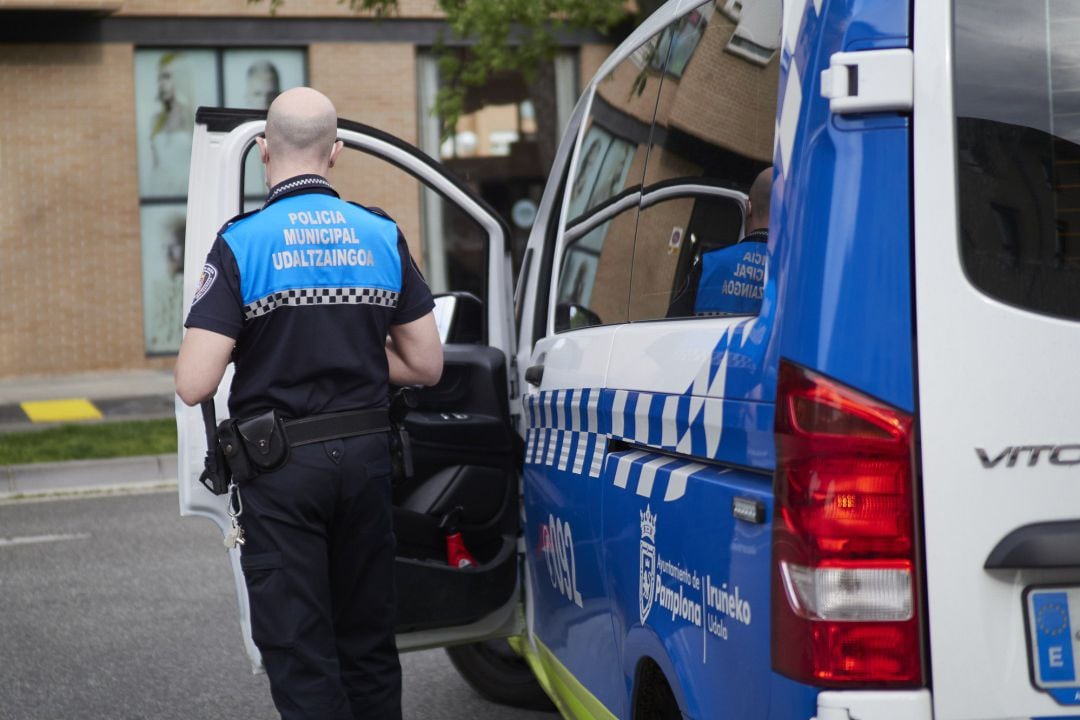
(602, 209)
(1018, 154)
(696, 252)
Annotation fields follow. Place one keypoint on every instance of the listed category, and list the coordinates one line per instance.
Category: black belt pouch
(254, 445)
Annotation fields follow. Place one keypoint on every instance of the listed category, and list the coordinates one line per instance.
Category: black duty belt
(331, 426)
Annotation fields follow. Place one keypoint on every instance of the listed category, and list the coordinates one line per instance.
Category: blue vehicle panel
(563, 460)
(581, 570)
(689, 580)
(842, 256)
(648, 481)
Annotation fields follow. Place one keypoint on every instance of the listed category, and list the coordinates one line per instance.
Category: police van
(851, 494)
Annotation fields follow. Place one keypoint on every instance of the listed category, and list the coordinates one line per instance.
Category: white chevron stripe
(776, 146)
(593, 407)
(597, 464)
(793, 17)
(676, 484)
(641, 417)
(538, 451)
(648, 475)
(789, 115)
(617, 410)
(700, 388)
(579, 455)
(622, 472)
(668, 437)
(575, 410)
(686, 443)
(553, 436)
(714, 411)
(716, 389)
(714, 425)
(564, 451)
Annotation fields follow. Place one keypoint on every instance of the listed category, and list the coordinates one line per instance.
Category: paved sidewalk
(40, 401)
(28, 403)
(81, 476)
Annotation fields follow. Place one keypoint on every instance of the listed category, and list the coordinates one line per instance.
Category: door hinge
(513, 377)
(869, 81)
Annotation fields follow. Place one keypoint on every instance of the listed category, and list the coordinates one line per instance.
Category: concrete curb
(38, 478)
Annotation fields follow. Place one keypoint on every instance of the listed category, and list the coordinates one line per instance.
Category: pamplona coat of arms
(647, 565)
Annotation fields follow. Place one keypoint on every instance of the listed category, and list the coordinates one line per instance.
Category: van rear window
(1018, 151)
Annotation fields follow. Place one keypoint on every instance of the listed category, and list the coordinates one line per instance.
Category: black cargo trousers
(318, 561)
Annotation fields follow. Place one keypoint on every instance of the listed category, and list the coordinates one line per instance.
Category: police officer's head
(301, 135)
(757, 206)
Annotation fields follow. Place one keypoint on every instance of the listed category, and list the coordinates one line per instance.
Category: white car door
(463, 445)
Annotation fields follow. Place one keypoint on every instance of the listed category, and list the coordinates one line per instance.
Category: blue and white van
(855, 494)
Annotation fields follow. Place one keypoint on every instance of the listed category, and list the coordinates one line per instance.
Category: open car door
(464, 449)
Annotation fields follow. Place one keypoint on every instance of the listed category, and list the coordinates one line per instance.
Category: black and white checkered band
(320, 296)
(304, 181)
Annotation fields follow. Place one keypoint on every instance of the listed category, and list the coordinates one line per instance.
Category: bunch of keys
(235, 535)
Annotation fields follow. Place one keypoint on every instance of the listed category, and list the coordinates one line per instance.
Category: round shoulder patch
(206, 279)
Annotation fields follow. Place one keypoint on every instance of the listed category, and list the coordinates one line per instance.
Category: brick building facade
(70, 242)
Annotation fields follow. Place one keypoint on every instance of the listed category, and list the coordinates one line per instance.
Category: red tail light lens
(844, 584)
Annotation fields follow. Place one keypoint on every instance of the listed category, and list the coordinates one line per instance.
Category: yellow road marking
(67, 410)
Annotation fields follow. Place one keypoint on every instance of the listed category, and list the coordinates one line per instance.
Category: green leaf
(502, 36)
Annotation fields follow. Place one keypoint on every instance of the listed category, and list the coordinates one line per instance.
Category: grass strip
(89, 442)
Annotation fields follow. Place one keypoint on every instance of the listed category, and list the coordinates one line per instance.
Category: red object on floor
(457, 554)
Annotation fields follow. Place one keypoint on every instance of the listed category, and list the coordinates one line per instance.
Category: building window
(170, 83)
(503, 144)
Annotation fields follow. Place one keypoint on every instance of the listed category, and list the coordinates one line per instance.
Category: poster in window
(611, 178)
(593, 149)
(578, 277)
(162, 227)
(253, 78)
(169, 85)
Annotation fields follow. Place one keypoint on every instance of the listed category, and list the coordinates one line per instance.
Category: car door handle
(1040, 545)
(535, 375)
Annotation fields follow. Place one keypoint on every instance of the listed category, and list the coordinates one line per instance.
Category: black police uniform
(309, 286)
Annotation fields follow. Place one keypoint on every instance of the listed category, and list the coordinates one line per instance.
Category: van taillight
(844, 587)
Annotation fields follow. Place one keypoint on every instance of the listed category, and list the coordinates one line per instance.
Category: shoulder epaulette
(237, 218)
(374, 210)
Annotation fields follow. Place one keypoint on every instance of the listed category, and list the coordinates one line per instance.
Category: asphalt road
(115, 607)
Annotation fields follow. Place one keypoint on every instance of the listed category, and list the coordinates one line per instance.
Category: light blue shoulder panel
(316, 242)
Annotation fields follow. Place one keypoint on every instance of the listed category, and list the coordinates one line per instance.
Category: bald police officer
(319, 305)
